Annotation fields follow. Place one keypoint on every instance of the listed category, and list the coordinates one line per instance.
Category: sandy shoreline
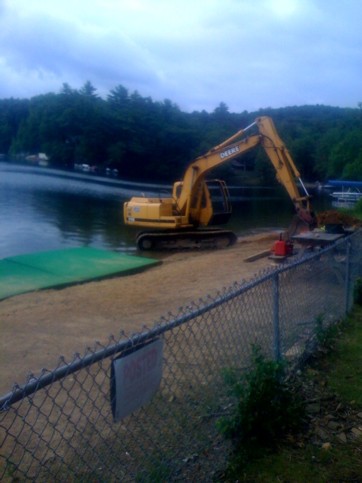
(38, 327)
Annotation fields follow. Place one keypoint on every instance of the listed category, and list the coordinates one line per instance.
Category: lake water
(43, 209)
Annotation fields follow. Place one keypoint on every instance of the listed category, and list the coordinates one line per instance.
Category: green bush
(358, 207)
(268, 408)
(326, 334)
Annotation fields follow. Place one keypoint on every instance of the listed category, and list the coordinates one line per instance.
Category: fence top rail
(48, 377)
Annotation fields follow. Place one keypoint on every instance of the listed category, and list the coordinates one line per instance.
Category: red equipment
(282, 248)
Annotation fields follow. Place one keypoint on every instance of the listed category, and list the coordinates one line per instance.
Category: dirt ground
(38, 327)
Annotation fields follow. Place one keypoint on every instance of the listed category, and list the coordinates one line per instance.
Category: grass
(345, 363)
(310, 464)
(336, 375)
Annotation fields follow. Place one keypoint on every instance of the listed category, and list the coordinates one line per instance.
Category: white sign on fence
(135, 377)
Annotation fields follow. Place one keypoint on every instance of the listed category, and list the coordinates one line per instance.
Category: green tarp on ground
(25, 273)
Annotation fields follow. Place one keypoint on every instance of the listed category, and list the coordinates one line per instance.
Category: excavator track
(182, 240)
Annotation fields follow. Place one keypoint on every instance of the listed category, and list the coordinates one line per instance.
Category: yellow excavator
(197, 203)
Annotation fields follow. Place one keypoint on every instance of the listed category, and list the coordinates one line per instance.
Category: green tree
(345, 156)
(13, 113)
(88, 90)
(150, 140)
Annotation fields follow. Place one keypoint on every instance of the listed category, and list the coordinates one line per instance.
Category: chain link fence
(64, 424)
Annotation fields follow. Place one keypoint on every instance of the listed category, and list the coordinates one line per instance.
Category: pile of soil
(334, 217)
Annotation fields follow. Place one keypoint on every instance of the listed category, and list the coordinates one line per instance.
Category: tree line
(148, 140)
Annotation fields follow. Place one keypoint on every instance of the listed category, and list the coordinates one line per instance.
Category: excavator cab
(209, 203)
(220, 201)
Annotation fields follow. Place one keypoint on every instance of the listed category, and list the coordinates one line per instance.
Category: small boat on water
(349, 193)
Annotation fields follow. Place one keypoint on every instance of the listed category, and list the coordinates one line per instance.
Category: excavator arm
(286, 172)
(267, 137)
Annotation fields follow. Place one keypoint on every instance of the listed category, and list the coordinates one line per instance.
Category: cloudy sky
(248, 54)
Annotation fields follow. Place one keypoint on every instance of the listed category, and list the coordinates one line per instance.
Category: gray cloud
(248, 54)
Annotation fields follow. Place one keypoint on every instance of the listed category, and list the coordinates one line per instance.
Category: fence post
(276, 341)
(347, 282)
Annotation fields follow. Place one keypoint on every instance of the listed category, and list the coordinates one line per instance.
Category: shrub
(326, 334)
(267, 408)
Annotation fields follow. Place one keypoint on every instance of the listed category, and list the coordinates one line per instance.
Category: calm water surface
(43, 209)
